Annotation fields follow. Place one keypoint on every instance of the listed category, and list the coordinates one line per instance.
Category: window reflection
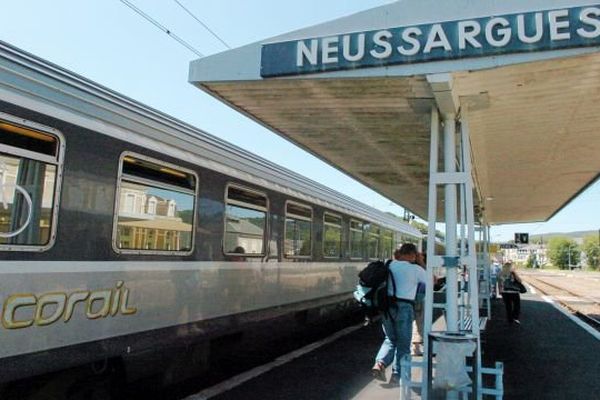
(332, 236)
(372, 241)
(26, 200)
(154, 219)
(156, 207)
(244, 231)
(245, 222)
(356, 239)
(297, 238)
(387, 245)
(298, 230)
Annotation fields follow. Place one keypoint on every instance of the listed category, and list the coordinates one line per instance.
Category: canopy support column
(452, 341)
(461, 337)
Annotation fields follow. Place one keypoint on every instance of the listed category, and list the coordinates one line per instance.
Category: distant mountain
(572, 235)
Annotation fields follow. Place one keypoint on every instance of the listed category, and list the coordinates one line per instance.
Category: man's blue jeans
(397, 328)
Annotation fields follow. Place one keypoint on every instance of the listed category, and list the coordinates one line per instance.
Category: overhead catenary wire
(162, 28)
(202, 23)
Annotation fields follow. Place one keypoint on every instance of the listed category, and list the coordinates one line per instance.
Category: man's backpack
(372, 289)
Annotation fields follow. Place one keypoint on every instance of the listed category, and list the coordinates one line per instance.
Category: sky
(107, 42)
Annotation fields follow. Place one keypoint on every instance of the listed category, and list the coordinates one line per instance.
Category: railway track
(557, 292)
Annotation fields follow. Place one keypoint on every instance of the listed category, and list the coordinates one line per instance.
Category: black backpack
(374, 282)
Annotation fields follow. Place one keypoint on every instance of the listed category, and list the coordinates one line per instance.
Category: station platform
(547, 357)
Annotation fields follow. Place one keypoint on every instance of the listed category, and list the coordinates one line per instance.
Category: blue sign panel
(514, 33)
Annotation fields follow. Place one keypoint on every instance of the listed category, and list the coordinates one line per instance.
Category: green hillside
(572, 235)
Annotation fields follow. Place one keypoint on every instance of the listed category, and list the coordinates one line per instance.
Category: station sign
(478, 37)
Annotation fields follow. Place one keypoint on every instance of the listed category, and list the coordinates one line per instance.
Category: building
(148, 221)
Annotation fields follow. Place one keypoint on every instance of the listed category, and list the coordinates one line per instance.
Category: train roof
(33, 83)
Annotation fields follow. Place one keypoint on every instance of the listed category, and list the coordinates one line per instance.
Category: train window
(356, 239)
(373, 233)
(245, 222)
(332, 236)
(298, 230)
(30, 165)
(387, 244)
(155, 204)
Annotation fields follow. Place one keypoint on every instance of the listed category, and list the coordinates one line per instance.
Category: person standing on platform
(510, 292)
(397, 322)
(494, 271)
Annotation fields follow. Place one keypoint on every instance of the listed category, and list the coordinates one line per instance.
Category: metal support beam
(450, 206)
(472, 254)
(431, 219)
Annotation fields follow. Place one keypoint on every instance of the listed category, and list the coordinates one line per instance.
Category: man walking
(397, 322)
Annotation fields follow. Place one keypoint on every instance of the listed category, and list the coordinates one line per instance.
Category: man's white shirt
(406, 277)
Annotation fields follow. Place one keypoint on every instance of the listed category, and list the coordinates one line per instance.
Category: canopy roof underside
(533, 117)
(533, 129)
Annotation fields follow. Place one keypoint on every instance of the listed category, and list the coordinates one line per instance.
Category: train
(125, 232)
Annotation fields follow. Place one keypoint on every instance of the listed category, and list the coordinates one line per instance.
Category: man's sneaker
(378, 371)
(394, 380)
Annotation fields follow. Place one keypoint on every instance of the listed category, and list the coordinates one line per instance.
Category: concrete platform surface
(546, 357)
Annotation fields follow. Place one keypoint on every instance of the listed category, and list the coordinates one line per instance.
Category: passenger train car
(124, 230)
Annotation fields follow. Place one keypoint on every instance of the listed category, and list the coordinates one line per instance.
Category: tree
(563, 252)
(531, 261)
(591, 249)
(422, 227)
(536, 239)
(186, 216)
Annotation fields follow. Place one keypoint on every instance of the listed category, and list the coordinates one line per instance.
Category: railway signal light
(521, 238)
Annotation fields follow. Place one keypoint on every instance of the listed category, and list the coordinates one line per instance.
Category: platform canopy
(357, 93)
